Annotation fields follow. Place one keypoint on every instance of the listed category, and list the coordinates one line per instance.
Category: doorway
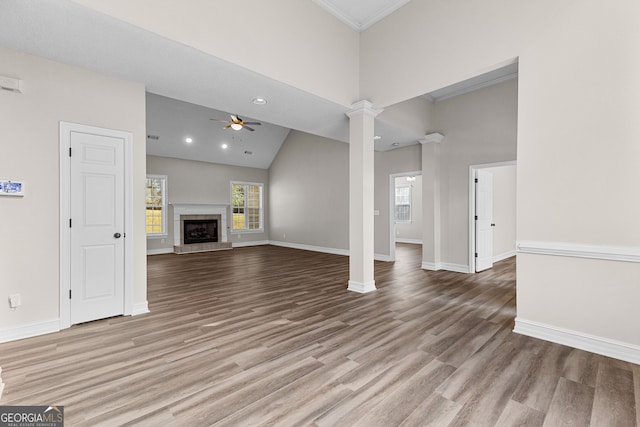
(405, 210)
(95, 218)
(491, 228)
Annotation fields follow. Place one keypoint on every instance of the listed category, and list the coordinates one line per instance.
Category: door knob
(117, 235)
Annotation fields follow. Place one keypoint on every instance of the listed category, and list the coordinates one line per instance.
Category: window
(156, 199)
(246, 206)
(403, 204)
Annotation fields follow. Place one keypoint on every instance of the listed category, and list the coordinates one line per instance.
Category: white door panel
(484, 220)
(97, 218)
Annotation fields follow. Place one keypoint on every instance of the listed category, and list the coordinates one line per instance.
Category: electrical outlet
(14, 300)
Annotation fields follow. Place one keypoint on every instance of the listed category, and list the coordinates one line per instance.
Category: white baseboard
(28, 331)
(579, 250)
(457, 268)
(503, 256)
(310, 248)
(245, 244)
(140, 308)
(362, 288)
(382, 257)
(411, 241)
(594, 344)
(160, 251)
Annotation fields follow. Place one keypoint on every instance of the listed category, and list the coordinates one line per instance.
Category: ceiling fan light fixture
(236, 126)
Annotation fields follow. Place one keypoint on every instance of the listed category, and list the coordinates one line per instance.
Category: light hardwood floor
(270, 336)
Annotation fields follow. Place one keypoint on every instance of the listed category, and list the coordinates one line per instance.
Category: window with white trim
(246, 206)
(156, 201)
(403, 203)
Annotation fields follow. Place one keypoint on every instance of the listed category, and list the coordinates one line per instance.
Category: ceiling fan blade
(227, 126)
(252, 123)
(220, 121)
(248, 128)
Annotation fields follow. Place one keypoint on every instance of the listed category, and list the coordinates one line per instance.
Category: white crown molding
(364, 22)
(363, 107)
(606, 347)
(473, 88)
(578, 250)
(434, 137)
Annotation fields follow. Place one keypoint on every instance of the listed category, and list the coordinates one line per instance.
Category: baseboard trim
(577, 250)
(381, 257)
(410, 241)
(160, 251)
(362, 288)
(28, 331)
(310, 248)
(503, 256)
(140, 308)
(456, 268)
(606, 347)
(245, 244)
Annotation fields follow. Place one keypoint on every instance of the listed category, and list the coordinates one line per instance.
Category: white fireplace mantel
(197, 209)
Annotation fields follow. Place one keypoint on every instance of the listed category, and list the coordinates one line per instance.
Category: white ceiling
(205, 86)
(360, 14)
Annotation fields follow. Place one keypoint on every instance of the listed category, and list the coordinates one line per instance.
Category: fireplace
(200, 231)
(199, 228)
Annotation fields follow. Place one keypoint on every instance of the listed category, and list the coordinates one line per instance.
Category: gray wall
(29, 254)
(406, 159)
(309, 192)
(309, 177)
(479, 128)
(200, 182)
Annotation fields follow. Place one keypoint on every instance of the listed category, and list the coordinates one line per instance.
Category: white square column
(431, 259)
(361, 183)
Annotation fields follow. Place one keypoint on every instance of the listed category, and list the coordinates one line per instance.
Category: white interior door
(484, 220)
(97, 226)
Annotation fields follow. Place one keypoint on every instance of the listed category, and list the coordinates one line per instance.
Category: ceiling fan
(236, 123)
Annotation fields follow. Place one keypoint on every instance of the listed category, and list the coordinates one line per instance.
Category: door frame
(392, 210)
(65, 213)
(472, 207)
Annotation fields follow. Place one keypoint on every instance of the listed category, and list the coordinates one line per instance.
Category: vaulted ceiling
(180, 80)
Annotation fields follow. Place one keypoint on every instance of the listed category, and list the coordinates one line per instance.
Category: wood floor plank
(538, 386)
(517, 414)
(270, 336)
(614, 401)
(570, 405)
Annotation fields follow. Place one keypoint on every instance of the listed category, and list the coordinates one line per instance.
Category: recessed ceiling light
(259, 101)
(224, 146)
(377, 137)
(395, 144)
(188, 140)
